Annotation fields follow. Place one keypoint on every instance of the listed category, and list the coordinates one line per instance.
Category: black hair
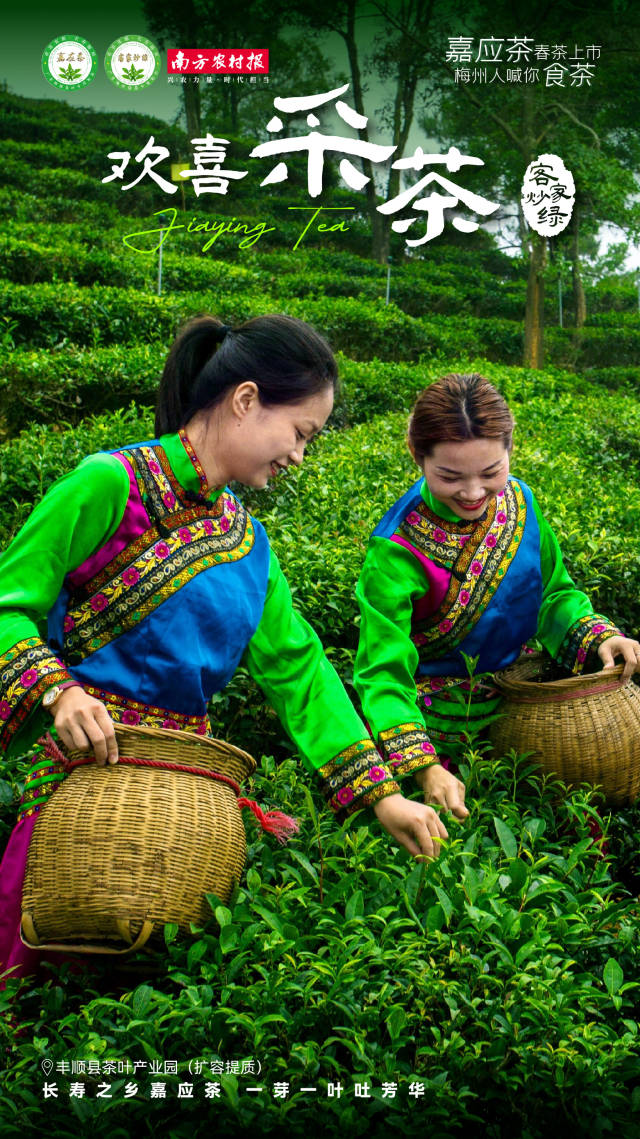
(286, 359)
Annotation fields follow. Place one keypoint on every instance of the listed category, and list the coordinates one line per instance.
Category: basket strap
(29, 937)
(162, 765)
(277, 823)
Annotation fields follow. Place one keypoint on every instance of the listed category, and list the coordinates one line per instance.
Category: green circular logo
(132, 62)
(69, 62)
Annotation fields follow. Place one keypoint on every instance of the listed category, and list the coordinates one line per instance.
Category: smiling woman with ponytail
(154, 583)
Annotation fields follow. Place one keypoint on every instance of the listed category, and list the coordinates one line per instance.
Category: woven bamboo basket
(585, 729)
(119, 850)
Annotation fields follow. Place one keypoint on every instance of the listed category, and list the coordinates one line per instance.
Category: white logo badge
(132, 62)
(69, 62)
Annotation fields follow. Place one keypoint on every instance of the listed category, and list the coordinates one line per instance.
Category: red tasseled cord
(278, 824)
(51, 749)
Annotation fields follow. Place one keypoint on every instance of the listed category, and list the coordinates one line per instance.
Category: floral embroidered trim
(407, 748)
(126, 711)
(215, 535)
(447, 721)
(483, 558)
(356, 778)
(26, 671)
(199, 469)
(584, 637)
(183, 540)
(43, 778)
(159, 489)
(439, 688)
(150, 570)
(441, 541)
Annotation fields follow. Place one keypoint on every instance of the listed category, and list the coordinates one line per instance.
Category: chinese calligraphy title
(429, 195)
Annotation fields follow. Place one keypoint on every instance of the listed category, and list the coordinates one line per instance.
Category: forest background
(495, 989)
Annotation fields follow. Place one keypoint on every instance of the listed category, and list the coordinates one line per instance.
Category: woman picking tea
(464, 564)
(153, 582)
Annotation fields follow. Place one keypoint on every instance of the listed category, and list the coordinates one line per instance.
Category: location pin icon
(46, 1066)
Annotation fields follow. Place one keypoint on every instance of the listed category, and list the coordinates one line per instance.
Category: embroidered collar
(441, 535)
(186, 466)
(478, 556)
(199, 469)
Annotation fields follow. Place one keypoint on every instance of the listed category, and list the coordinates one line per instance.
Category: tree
(394, 64)
(590, 126)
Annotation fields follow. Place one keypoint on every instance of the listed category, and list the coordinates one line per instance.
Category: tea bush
(612, 295)
(68, 384)
(66, 211)
(52, 181)
(35, 154)
(27, 262)
(74, 130)
(615, 320)
(46, 252)
(50, 314)
(57, 234)
(615, 377)
(47, 314)
(594, 347)
(33, 460)
(499, 980)
(373, 387)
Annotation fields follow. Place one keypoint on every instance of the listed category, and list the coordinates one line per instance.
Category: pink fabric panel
(437, 578)
(12, 951)
(12, 868)
(134, 522)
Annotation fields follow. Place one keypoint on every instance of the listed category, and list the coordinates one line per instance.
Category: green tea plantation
(343, 989)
